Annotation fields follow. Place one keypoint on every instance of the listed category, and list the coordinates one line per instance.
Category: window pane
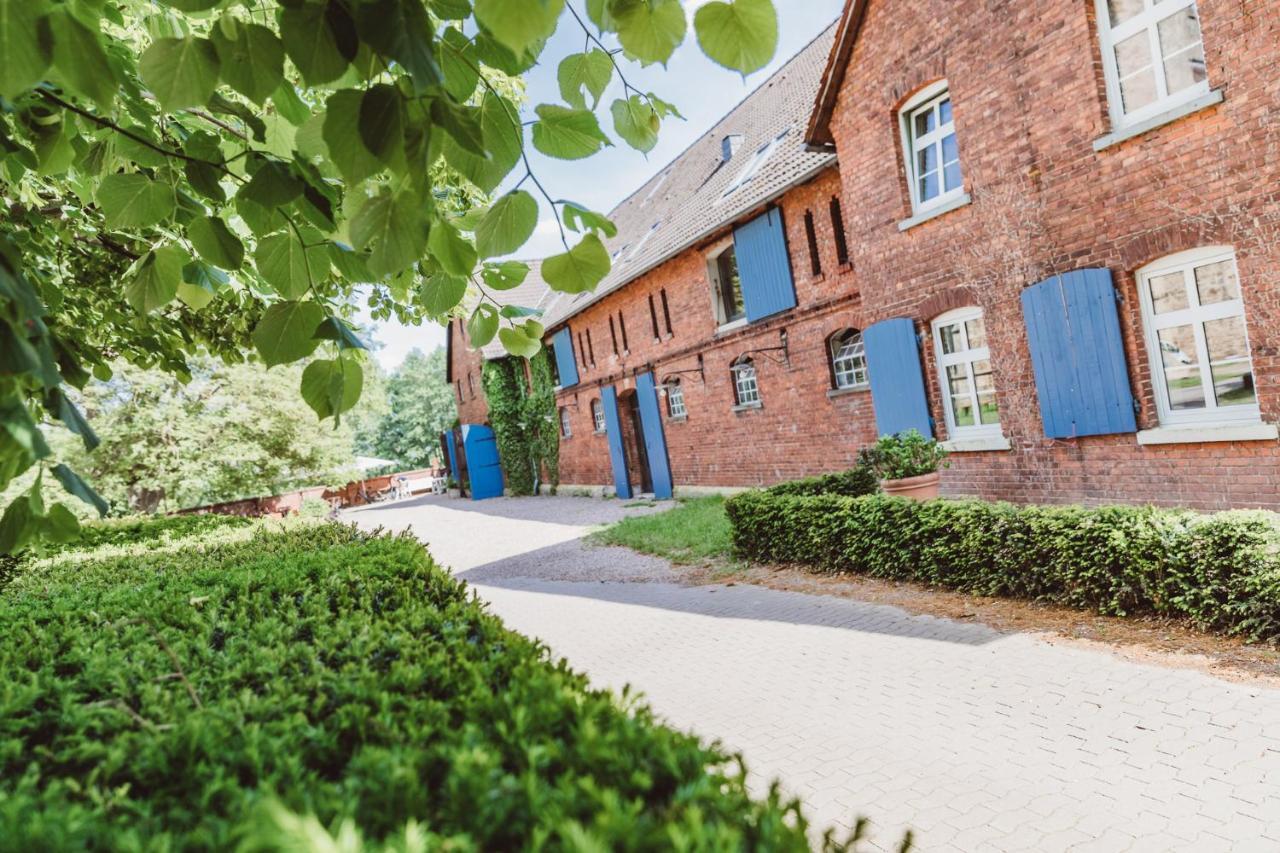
(950, 150)
(929, 186)
(927, 159)
(957, 380)
(1226, 339)
(1181, 368)
(944, 112)
(976, 331)
(1181, 49)
(1168, 293)
(988, 411)
(1184, 70)
(962, 411)
(1123, 10)
(1233, 384)
(951, 178)
(925, 122)
(983, 378)
(1137, 77)
(1217, 282)
(950, 336)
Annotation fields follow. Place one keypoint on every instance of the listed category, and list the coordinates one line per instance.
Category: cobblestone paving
(975, 739)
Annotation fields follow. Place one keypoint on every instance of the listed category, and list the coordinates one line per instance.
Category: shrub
(852, 483)
(170, 698)
(314, 508)
(1220, 571)
(907, 454)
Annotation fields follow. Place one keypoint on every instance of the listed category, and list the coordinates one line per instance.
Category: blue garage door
(481, 447)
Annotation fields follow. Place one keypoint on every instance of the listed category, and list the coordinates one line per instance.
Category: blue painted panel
(453, 456)
(566, 364)
(1078, 355)
(655, 441)
(483, 466)
(613, 431)
(897, 383)
(760, 247)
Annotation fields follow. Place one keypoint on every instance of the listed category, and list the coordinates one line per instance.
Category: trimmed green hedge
(1220, 571)
(174, 697)
(852, 483)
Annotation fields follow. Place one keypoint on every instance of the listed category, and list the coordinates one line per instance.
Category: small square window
(597, 415)
(746, 389)
(675, 399)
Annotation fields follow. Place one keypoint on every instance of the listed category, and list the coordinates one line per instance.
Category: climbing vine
(524, 421)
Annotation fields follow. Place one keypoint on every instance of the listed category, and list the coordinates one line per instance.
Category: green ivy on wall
(524, 421)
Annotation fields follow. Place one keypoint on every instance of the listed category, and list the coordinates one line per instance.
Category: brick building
(1038, 244)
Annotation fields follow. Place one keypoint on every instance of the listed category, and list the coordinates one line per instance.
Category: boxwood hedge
(1221, 571)
(250, 686)
(852, 483)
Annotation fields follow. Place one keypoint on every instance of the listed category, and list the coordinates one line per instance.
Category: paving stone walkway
(977, 740)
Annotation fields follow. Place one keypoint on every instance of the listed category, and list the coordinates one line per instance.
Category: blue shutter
(613, 431)
(483, 467)
(1078, 355)
(897, 383)
(655, 442)
(760, 247)
(566, 364)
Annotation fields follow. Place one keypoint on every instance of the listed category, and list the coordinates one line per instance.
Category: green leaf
(403, 32)
(71, 481)
(517, 342)
(134, 201)
(442, 292)
(459, 63)
(332, 386)
(505, 275)
(181, 73)
(61, 524)
(567, 133)
(578, 218)
(503, 141)
(637, 122)
(26, 53)
(650, 30)
(192, 5)
(286, 332)
(58, 404)
(381, 120)
(16, 420)
(741, 35)
(393, 229)
(251, 57)
(451, 250)
(461, 122)
(518, 24)
(215, 242)
(578, 270)
(155, 279)
(592, 70)
(336, 329)
(286, 266)
(311, 42)
(273, 185)
(483, 325)
(17, 525)
(515, 312)
(508, 225)
(196, 295)
(343, 138)
(79, 58)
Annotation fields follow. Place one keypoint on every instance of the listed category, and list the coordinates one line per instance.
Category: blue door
(481, 447)
(613, 431)
(655, 442)
(453, 457)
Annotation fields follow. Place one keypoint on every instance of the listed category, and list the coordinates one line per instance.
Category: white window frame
(1109, 36)
(675, 400)
(966, 357)
(566, 429)
(746, 383)
(723, 322)
(597, 416)
(1196, 316)
(857, 360)
(927, 99)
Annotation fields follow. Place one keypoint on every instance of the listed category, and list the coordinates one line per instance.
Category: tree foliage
(419, 407)
(221, 176)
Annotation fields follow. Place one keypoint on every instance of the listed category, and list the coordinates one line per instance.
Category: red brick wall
(798, 431)
(1029, 99)
(465, 364)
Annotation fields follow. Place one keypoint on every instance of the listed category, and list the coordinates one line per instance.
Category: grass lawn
(695, 531)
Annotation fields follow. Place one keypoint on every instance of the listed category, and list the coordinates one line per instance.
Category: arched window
(1193, 315)
(675, 399)
(746, 390)
(566, 431)
(964, 371)
(597, 415)
(848, 360)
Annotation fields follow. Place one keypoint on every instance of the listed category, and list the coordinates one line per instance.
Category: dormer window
(729, 146)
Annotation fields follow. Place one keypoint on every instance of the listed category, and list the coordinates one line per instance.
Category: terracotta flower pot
(920, 488)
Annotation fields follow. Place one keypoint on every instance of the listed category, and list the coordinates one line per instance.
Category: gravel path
(977, 740)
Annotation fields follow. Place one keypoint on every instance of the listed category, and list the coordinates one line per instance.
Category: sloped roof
(688, 199)
(818, 131)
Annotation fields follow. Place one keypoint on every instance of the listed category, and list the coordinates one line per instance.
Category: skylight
(643, 240)
(762, 155)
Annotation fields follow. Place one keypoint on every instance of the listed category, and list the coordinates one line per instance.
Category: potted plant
(907, 464)
(451, 487)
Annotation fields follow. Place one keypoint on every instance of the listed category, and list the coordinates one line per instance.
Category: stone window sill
(1209, 433)
(1123, 134)
(844, 392)
(677, 419)
(977, 445)
(726, 328)
(934, 212)
(748, 407)
(598, 432)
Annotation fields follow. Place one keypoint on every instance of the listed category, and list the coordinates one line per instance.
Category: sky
(702, 91)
